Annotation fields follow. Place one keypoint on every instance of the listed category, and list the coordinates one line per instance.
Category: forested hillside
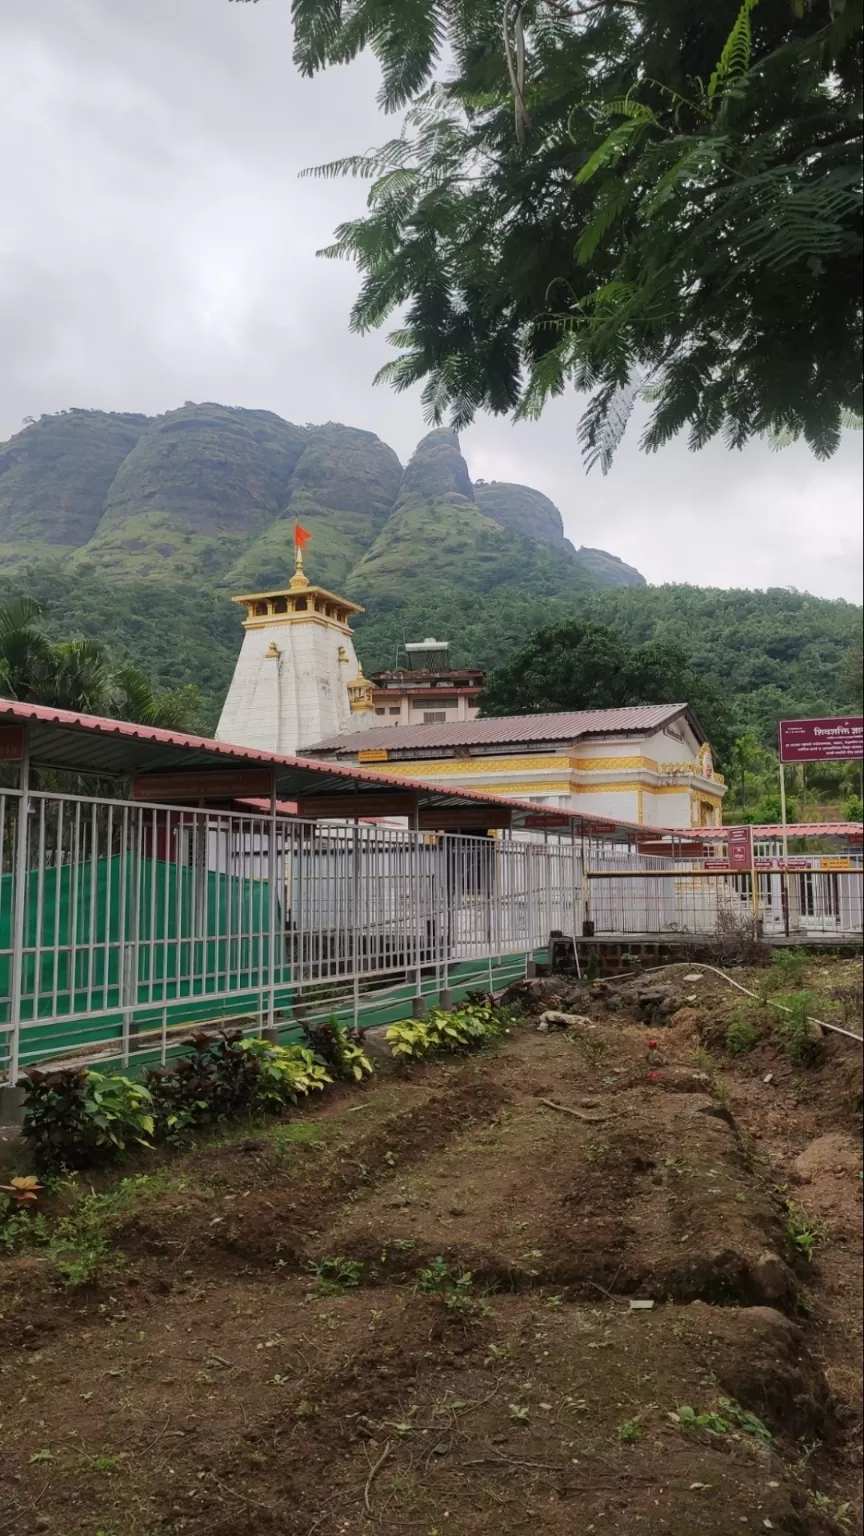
(137, 531)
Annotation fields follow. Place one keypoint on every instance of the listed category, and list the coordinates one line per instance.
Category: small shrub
(20, 1229)
(23, 1190)
(286, 1073)
(790, 966)
(802, 1230)
(74, 1117)
(802, 1043)
(80, 1249)
(742, 1034)
(464, 1029)
(341, 1050)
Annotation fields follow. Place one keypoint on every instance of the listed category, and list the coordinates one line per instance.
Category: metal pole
(271, 1033)
(21, 861)
(783, 808)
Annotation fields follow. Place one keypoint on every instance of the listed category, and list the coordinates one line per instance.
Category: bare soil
(226, 1376)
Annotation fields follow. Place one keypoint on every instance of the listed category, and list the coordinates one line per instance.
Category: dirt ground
(283, 1341)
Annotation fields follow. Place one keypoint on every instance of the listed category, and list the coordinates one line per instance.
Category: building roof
(775, 831)
(79, 743)
(505, 730)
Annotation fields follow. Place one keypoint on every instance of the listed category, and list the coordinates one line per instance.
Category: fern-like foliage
(678, 217)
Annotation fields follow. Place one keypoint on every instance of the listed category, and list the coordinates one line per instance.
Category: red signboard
(11, 743)
(393, 802)
(740, 848)
(838, 740)
(474, 818)
(221, 784)
(548, 820)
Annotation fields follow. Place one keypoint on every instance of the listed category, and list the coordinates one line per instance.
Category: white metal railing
(118, 917)
(680, 900)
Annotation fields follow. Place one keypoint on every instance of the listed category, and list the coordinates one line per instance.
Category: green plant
(802, 1230)
(453, 1287)
(731, 1417)
(790, 966)
(341, 1050)
(409, 1040)
(520, 1414)
(20, 1229)
(629, 1431)
(286, 1073)
(23, 1190)
(73, 1118)
(841, 1513)
(466, 1028)
(802, 1040)
(741, 1034)
(336, 1274)
(120, 1112)
(80, 1248)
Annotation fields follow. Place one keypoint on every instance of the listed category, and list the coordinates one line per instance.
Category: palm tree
(77, 675)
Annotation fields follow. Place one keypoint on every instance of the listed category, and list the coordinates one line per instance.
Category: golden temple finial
(299, 580)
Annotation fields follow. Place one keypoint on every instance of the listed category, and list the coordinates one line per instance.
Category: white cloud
(158, 246)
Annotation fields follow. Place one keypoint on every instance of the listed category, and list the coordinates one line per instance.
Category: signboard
(373, 755)
(740, 848)
(341, 807)
(216, 784)
(601, 828)
(837, 740)
(474, 818)
(11, 743)
(716, 864)
(548, 820)
(834, 863)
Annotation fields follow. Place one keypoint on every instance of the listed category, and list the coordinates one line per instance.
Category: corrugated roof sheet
(851, 829)
(506, 729)
(61, 738)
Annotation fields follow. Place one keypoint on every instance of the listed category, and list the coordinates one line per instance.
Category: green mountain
(211, 493)
(138, 530)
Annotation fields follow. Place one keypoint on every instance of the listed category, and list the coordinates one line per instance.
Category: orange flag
(301, 536)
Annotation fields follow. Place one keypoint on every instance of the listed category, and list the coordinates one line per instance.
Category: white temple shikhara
(297, 677)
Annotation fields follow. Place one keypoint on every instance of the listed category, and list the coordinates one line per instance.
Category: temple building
(649, 764)
(428, 691)
(297, 677)
(299, 689)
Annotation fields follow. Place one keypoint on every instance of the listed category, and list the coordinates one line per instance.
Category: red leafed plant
(24, 1190)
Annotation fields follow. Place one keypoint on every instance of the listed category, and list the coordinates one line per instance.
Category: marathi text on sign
(838, 740)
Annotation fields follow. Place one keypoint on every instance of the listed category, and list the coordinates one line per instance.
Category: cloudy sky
(157, 246)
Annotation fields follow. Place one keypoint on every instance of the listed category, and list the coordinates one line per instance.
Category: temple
(297, 678)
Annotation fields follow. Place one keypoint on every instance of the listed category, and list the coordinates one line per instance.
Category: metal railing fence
(118, 919)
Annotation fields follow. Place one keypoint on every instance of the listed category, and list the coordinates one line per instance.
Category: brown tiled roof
(507, 729)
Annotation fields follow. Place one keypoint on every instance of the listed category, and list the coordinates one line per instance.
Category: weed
(802, 1042)
(789, 966)
(80, 1249)
(453, 1288)
(333, 1275)
(732, 1417)
(520, 1414)
(629, 1431)
(742, 1034)
(801, 1229)
(842, 1513)
(44, 1455)
(98, 1466)
(19, 1230)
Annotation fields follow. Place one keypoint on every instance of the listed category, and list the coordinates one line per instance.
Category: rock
(641, 1306)
(771, 1278)
(554, 1019)
(683, 1080)
(834, 1153)
(768, 1078)
(694, 976)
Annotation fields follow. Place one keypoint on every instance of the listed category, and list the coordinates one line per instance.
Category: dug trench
(410, 1308)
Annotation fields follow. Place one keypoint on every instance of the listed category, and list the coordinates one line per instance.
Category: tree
(579, 665)
(77, 675)
(638, 197)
